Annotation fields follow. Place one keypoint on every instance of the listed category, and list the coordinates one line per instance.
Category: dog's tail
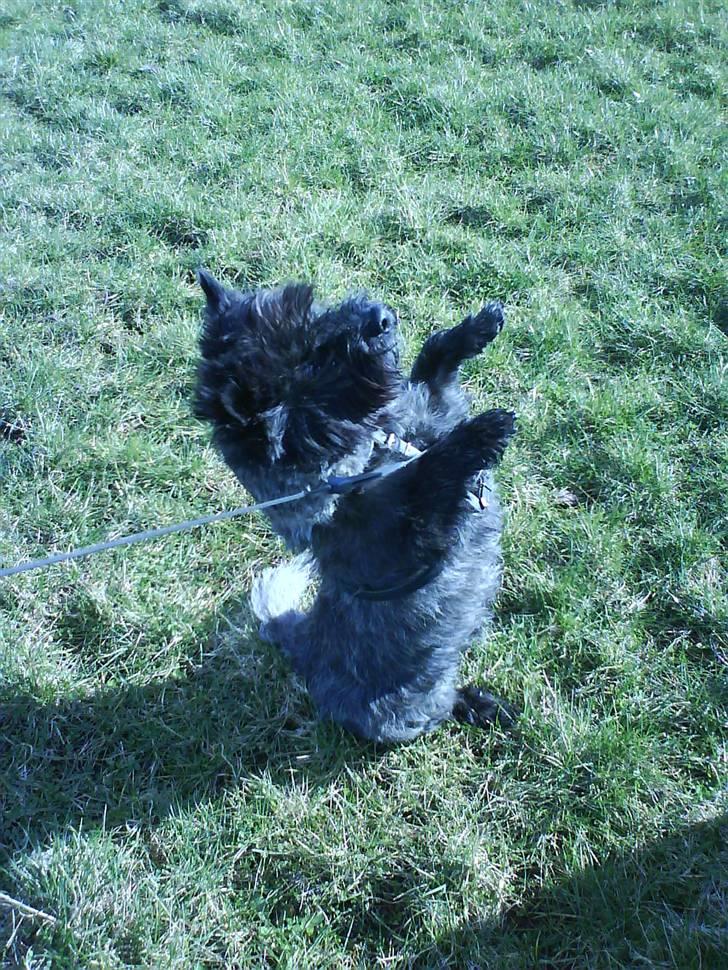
(279, 590)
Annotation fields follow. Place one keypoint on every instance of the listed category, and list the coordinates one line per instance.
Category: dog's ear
(219, 326)
(289, 305)
(297, 299)
(217, 296)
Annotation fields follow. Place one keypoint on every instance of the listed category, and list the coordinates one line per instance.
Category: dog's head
(284, 381)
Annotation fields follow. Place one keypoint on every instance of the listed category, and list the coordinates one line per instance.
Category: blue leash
(335, 485)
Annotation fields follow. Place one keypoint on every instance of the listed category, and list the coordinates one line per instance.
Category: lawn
(167, 796)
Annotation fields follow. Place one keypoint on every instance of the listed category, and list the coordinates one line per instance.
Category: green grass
(165, 790)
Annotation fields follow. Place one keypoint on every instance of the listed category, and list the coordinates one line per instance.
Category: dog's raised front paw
(478, 331)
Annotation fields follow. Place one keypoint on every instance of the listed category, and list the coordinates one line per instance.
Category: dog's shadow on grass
(131, 754)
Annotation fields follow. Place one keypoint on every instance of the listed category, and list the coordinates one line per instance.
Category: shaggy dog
(407, 555)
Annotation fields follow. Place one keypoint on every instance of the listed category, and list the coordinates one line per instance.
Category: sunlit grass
(165, 789)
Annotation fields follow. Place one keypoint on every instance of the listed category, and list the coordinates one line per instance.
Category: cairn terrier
(404, 545)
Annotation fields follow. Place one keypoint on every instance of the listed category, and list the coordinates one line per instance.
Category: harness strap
(416, 581)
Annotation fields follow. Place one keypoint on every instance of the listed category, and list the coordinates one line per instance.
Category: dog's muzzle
(380, 331)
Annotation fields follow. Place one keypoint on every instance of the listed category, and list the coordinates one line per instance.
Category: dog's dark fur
(407, 568)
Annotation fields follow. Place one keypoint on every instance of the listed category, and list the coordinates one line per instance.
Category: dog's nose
(381, 320)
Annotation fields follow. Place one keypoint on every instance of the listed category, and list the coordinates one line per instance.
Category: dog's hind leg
(480, 708)
(442, 354)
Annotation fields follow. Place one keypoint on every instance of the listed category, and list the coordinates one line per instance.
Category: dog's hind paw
(490, 432)
(481, 709)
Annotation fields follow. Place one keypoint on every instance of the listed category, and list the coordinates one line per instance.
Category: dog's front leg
(410, 517)
(438, 362)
